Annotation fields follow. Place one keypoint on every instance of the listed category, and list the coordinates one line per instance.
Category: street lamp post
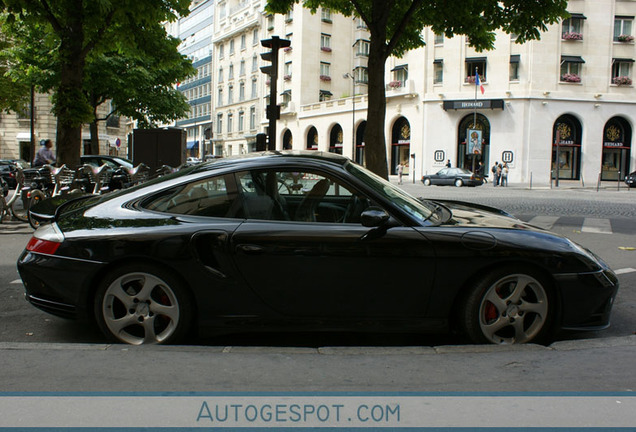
(353, 113)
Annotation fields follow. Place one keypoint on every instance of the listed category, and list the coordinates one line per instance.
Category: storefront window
(566, 142)
(617, 137)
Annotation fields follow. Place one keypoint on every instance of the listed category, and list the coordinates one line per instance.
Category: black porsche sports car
(304, 241)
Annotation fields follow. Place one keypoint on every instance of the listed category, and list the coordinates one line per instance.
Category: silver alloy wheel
(140, 308)
(513, 310)
(459, 183)
(427, 182)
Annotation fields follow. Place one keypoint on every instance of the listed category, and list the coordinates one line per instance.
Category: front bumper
(587, 299)
(58, 285)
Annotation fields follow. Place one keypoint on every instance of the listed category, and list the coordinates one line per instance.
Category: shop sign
(474, 104)
(439, 158)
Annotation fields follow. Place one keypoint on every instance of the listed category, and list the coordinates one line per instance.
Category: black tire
(459, 182)
(143, 304)
(427, 182)
(509, 306)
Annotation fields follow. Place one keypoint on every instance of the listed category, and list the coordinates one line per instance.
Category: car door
(314, 261)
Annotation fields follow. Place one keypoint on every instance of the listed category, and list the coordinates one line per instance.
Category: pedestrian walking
(448, 164)
(504, 175)
(481, 171)
(400, 171)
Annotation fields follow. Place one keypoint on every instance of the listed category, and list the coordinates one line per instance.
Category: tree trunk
(67, 108)
(374, 140)
(94, 129)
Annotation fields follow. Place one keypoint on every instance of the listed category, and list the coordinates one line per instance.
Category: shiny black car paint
(254, 274)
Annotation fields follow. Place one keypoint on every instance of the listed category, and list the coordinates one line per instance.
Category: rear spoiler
(46, 210)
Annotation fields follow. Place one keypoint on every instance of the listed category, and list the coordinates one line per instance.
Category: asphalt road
(43, 353)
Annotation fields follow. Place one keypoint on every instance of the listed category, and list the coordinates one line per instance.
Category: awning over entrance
(192, 144)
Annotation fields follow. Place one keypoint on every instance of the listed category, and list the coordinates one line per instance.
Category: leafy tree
(139, 81)
(396, 26)
(81, 28)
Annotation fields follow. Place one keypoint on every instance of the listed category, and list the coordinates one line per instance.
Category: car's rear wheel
(142, 304)
(509, 306)
(427, 182)
(459, 182)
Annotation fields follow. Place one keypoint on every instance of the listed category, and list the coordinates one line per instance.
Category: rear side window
(208, 197)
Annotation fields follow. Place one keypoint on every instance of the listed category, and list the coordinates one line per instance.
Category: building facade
(195, 32)
(562, 106)
(15, 131)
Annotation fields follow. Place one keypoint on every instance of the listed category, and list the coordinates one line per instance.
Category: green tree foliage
(396, 26)
(139, 82)
(79, 29)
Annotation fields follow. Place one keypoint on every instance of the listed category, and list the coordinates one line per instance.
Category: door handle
(250, 249)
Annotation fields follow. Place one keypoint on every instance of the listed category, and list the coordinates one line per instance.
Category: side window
(299, 196)
(208, 197)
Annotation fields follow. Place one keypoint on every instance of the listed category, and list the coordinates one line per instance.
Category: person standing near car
(44, 155)
(493, 170)
(504, 175)
(400, 172)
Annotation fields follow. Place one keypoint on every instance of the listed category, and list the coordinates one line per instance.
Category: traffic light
(273, 110)
(275, 43)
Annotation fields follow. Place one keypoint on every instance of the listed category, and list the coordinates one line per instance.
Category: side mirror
(374, 217)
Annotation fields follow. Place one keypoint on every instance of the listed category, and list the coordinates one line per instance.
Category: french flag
(478, 83)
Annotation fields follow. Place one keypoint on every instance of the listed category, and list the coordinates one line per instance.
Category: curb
(571, 345)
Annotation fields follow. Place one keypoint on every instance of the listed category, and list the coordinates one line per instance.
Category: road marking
(545, 222)
(599, 226)
(625, 270)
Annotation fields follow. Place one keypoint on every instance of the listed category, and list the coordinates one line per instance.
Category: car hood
(480, 216)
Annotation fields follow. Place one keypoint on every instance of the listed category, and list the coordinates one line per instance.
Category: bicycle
(13, 208)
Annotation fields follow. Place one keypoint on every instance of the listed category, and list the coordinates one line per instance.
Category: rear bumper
(58, 285)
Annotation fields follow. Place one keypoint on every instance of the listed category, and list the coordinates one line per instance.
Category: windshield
(420, 210)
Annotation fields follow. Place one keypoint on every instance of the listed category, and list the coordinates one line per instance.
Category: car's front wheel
(509, 306)
(459, 182)
(142, 304)
(427, 182)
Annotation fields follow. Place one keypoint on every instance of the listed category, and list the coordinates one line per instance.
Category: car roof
(267, 157)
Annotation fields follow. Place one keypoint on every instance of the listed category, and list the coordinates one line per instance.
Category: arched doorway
(473, 146)
(617, 140)
(335, 139)
(566, 139)
(359, 156)
(312, 139)
(288, 140)
(400, 144)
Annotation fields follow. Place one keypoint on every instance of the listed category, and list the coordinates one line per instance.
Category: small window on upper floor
(325, 15)
(438, 71)
(439, 39)
(474, 66)
(514, 67)
(572, 28)
(622, 71)
(623, 28)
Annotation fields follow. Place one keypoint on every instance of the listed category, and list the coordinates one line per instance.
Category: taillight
(46, 240)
